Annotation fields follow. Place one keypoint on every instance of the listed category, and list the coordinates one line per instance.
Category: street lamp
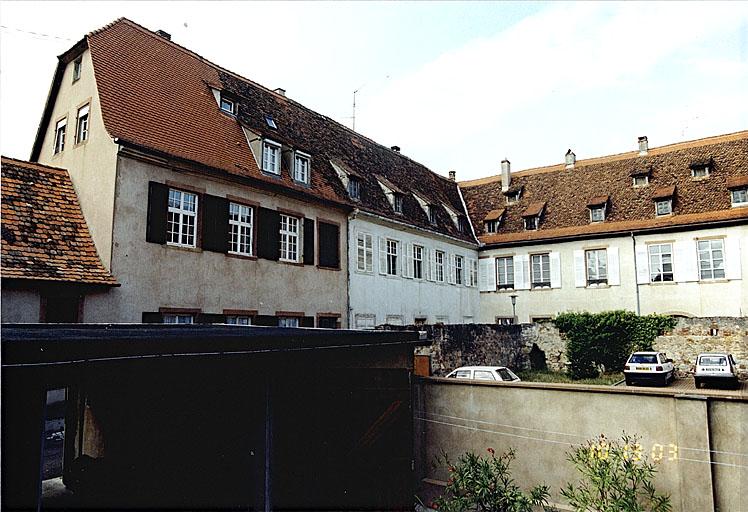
(514, 308)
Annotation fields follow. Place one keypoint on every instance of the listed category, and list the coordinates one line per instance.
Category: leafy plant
(616, 477)
(479, 484)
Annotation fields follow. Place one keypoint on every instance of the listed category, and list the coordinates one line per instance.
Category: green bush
(607, 338)
(479, 483)
(616, 477)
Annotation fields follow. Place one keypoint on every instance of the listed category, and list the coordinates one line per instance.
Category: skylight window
(227, 105)
(271, 122)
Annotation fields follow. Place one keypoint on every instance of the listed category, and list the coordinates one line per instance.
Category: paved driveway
(687, 385)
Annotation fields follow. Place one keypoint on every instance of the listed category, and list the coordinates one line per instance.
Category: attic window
(532, 215)
(462, 225)
(597, 213)
(531, 223)
(641, 180)
(354, 188)
(397, 202)
(492, 221)
(227, 105)
(271, 122)
(432, 213)
(77, 65)
(664, 207)
(739, 196)
(271, 156)
(492, 226)
(512, 196)
(301, 167)
(700, 171)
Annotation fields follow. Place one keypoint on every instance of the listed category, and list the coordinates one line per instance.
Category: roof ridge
(658, 150)
(6, 159)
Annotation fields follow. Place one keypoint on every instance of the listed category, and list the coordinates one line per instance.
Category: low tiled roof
(494, 214)
(44, 234)
(567, 191)
(534, 209)
(664, 192)
(737, 181)
(157, 95)
(598, 200)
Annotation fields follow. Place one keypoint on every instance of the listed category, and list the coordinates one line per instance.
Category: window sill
(732, 205)
(364, 272)
(505, 290)
(270, 174)
(322, 267)
(714, 281)
(241, 256)
(79, 144)
(540, 288)
(186, 248)
(662, 283)
(598, 285)
(292, 263)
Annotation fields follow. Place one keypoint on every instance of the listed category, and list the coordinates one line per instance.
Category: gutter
(636, 274)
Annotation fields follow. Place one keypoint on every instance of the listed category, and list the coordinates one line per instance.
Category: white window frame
(645, 177)
(290, 238)
(710, 260)
(418, 252)
(60, 130)
(432, 214)
(302, 165)
(657, 272)
(535, 222)
(365, 253)
(181, 227)
(271, 149)
(77, 68)
(439, 257)
(669, 211)
(458, 264)
(178, 318)
(492, 226)
(397, 202)
(739, 191)
(472, 272)
(289, 321)
(542, 282)
(241, 229)
(394, 320)
(507, 273)
(393, 250)
(597, 210)
(365, 321)
(82, 124)
(354, 188)
(238, 319)
(596, 267)
(225, 102)
(513, 198)
(700, 168)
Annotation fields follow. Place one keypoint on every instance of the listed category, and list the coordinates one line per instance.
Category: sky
(457, 85)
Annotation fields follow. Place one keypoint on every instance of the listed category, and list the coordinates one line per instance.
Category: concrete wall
(154, 276)
(542, 422)
(20, 306)
(689, 297)
(92, 163)
(396, 296)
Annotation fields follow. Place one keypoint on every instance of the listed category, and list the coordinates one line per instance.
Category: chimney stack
(571, 159)
(163, 34)
(643, 146)
(452, 175)
(396, 149)
(506, 177)
(280, 91)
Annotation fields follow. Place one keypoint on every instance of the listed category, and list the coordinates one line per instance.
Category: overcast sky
(458, 86)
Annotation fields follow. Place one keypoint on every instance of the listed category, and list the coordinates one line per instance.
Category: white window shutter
(451, 269)
(408, 261)
(431, 266)
(484, 274)
(382, 255)
(491, 270)
(614, 267)
(732, 257)
(555, 260)
(685, 265)
(580, 271)
(642, 264)
(521, 269)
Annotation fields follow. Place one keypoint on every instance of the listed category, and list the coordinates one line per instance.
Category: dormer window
(597, 206)
(462, 225)
(271, 157)
(700, 171)
(492, 221)
(271, 122)
(664, 207)
(227, 105)
(513, 195)
(739, 196)
(432, 213)
(532, 215)
(301, 167)
(397, 203)
(531, 223)
(492, 226)
(641, 180)
(354, 188)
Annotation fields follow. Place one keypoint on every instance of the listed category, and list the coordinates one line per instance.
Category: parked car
(490, 373)
(651, 367)
(716, 368)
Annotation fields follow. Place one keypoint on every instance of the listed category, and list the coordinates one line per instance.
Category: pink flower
(491, 451)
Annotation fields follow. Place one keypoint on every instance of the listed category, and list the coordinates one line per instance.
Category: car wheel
(697, 382)
(664, 380)
(629, 382)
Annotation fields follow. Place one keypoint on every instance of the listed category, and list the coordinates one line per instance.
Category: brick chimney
(643, 146)
(571, 159)
(452, 175)
(163, 34)
(506, 177)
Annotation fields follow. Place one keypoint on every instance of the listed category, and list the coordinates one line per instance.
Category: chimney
(571, 159)
(643, 146)
(506, 177)
(280, 91)
(163, 34)
(396, 149)
(452, 175)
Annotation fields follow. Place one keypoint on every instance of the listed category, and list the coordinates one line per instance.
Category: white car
(653, 367)
(488, 373)
(716, 368)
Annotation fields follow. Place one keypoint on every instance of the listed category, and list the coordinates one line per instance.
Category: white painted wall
(686, 295)
(400, 297)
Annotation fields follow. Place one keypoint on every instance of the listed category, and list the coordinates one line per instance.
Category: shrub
(616, 477)
(479, 483)
(595, 339)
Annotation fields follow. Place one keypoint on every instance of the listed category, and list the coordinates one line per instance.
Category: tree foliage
(607, 338)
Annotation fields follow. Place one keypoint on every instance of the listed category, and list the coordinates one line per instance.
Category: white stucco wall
(372, 293)
(689, 296)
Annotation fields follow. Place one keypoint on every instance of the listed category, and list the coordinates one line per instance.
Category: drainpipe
(636, 274)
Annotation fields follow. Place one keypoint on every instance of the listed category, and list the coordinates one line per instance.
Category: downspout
(349, 311)
(636, 274)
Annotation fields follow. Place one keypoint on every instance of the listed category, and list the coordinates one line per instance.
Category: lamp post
(514, 308)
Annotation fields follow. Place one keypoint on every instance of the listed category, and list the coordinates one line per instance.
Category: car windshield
(504, 374)
(643, 359)
(712, 361)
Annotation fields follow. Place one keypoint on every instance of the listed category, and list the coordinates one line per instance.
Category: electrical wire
(35, 34)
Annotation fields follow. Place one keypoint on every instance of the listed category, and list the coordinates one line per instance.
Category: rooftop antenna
(354, 105)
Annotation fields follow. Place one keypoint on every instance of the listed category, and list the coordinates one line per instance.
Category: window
(328, 322)
(458, 265)
(271, 122)
(711, 259)
(271, 157)
(483, 375)
(394, 320)
(442, 319)
(77, 66)
(432, 214)
(239, 320)
(397, 203)
(227, 105)
(597, 213)
(531, 223)
(61, 309)
(505, 320)
(288, 321)
(505, 273)
(420, 321)
(664, 207)
(354, 189)
(182, 218)
(289, 238)
(699, 171)
(364, 252)
(597, 267)
(81, 132)
(439, 265)
(473, 278)
(365, 321)
(492, 226)
(513, 197)
(301, 168)
(738, 196)
(240, 229)
(60, 135)
(418, 262)
(179, 319)
(462, 225)
(641, 180)
(392, 249)
(660, 263)
(541, 270)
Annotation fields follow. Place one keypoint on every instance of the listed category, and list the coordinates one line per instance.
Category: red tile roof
(44, 234)
(534, 209)
(494, 214)
(566, 192)
(598, 200)
(664, 192)
(157, 95)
